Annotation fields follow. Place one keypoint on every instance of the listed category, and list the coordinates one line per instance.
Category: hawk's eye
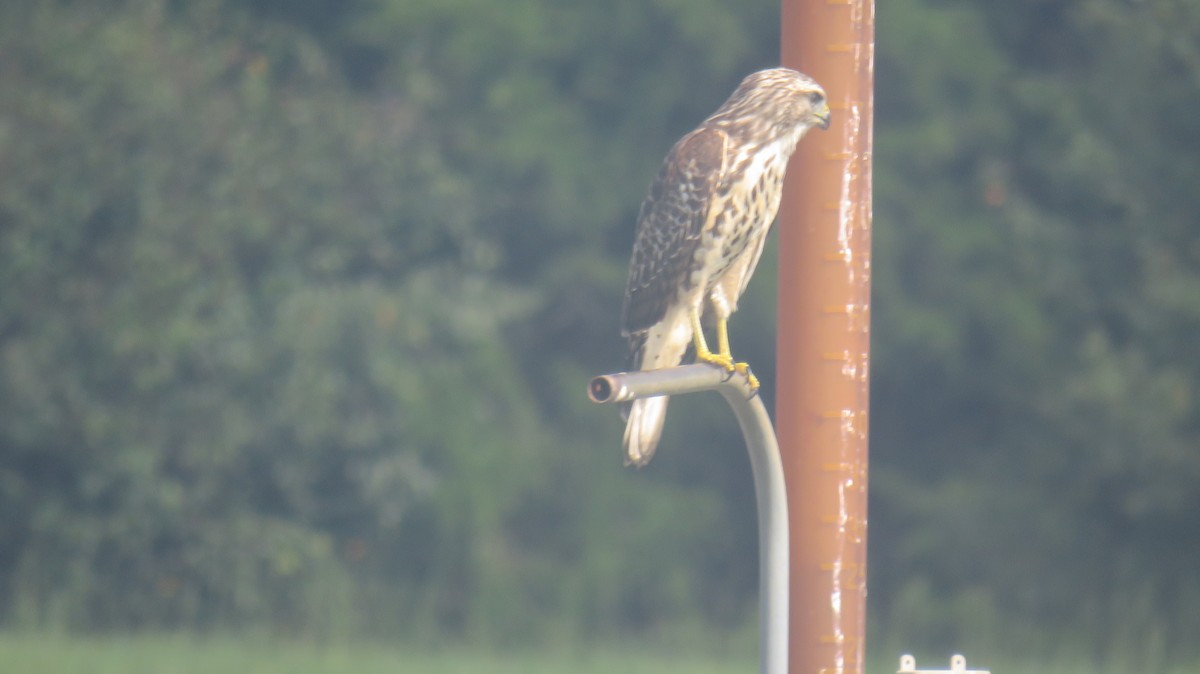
(815, 97)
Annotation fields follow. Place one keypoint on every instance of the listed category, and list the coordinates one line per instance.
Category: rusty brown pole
(823, 337)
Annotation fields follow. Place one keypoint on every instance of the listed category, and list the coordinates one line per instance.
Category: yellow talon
(744, 368)
(703, 353)
(723, 357)
(723, 347)
(717, 359)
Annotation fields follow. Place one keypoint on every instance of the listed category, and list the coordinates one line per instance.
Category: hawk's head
(779, 99)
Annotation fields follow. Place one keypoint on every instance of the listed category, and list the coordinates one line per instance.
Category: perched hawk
(701, 231)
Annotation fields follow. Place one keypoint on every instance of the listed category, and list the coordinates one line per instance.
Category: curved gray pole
(768, 482)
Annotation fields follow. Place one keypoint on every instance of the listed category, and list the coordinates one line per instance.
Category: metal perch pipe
(769, 488)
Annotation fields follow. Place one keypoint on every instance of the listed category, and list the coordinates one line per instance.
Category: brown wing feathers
(669, 227)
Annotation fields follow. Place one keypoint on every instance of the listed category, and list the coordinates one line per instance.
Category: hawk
(700, 232)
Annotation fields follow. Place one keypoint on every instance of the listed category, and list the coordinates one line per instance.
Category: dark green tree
(1035, 252)
(297, 301)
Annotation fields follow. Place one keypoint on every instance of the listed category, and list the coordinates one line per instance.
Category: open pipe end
(601, 389)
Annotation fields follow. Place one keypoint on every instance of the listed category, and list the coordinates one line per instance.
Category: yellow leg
(723, 357)
(723, 349)
(703, 353)
(723, 339)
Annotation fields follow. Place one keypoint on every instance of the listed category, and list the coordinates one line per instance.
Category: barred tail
(663, 345)
(643, 429)
(643, 418)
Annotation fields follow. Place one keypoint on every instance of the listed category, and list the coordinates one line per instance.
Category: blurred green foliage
(297, 301)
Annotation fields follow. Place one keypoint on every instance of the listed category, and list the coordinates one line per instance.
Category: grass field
(41, 654)
(44, 654)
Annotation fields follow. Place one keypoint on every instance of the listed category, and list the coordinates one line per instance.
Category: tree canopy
(298, 299)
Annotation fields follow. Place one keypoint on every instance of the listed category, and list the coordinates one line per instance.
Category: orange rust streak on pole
(823, 337)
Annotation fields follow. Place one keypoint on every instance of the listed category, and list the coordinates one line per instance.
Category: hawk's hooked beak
(822, 115)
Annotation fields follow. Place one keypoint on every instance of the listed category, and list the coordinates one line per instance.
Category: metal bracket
(766, 465)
